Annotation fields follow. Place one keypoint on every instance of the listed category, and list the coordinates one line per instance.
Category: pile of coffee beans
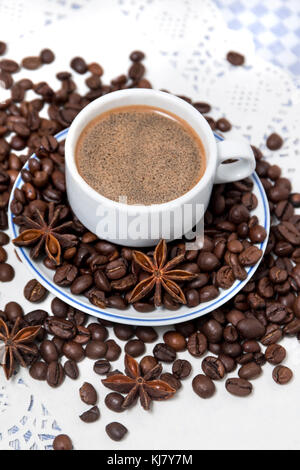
(243, 334)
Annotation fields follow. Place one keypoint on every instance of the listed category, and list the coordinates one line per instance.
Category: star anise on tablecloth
(46, 233)
(162, 275)
(147, 387)
(15, 342)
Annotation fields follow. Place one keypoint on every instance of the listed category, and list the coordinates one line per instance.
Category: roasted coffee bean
(202, 107)
(181, 368)
(34, 291)
(170, 379)
(101, 281)
(238, 387)
(59, 343)
(235, 246)
(235, 58)
(250, 256)
(78, 64)
(47, 56)
(38, 370)
(96, 349)
(62, 442)
(98, 332)
(192, 297)
(197, 344)
(3, 255)
(223, 125)
(212, 330)
(76, 316)
(13, 311)
(7, 272)
(9, 66)
(251, 346)
(230, 334)
(228, 362)
(71, 369)
(234, 316)
(148, 363)
(207, 261)
(65, 275)
(31, 63)
(163, 352)
(137, 56)
(83, 335)
(282, 375)
(81, 284)
(245, 358)
(55, 374)
(175, 340)
(116, 431)
(251, 328)
(73, 351)
(203, 386)
(144, 307)
(250, 371)
(273, 334)
(113, 350)
(102, 367)
(116, 269)
(276, 312)
(116, 301)
(259, 358)
(95, 69)
(257, 234)
(90, 416)
(208, 293)
(124, 332)
(147, 334)
(60, 327)
(275, 354)
(213, 367)
(59, 308)
(2, 48)
(274, 141)
(48, 351)
(135, 347)
(225, 277)
(88, 394)
(114, 402)
(231, 349)
(185, 328)
(292, 328)
(4, 239)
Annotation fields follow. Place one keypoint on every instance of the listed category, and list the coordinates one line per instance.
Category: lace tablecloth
(186, 43)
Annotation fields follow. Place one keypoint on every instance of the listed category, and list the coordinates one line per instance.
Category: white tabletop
(185, 44)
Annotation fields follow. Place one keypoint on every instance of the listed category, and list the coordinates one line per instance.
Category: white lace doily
(186, 42)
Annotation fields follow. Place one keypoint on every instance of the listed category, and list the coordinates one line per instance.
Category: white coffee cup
(140, 225)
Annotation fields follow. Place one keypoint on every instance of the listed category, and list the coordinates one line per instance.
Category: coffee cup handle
(241, 168)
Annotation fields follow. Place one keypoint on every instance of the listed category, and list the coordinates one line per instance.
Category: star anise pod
(147, 387)
(162, 275)
(46, 233)
(15, 342)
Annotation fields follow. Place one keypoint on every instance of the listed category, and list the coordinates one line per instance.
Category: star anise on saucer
(46, 233)
(162, 275)
(15, 342)
(134, 384)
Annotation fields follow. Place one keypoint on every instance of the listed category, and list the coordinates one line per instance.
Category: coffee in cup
(143, 153)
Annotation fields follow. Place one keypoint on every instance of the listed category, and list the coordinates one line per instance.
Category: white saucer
(160, 316)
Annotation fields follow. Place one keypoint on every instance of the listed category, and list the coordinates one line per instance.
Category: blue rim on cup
(137, 318)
